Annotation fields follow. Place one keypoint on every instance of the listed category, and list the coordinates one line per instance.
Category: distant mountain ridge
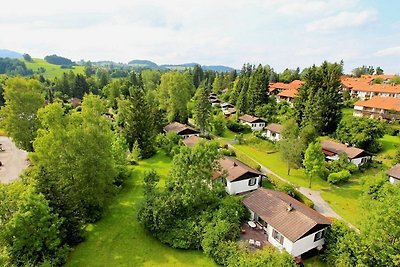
(142, 64)
(10, 54)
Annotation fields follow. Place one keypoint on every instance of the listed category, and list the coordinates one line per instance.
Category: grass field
(119, 240)
(390, 144)
(51, 69)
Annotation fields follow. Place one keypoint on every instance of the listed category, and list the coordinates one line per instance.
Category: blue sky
(281, 33)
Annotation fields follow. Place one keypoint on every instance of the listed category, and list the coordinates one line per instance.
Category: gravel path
(14, 160)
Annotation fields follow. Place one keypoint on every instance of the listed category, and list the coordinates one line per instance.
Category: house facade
(332, 151)
(288, 224)
(180, 129)
(237, 176)
(394, 174)
(256, 124)
(383, 108)
(273, 132)
(364, 88)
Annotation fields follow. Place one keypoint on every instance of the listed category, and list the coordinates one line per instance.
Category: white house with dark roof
(273, 132)
(237, 176)
(288, 224)
(333, 149)
(255, 123)
(180, 129)
(394, 174)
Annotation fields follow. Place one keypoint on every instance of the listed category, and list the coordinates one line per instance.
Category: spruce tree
(257, 93)
(202, 109)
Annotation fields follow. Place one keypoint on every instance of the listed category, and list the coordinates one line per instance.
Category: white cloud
(342, 20)
(391, 51)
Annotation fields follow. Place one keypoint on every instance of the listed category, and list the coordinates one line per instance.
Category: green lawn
(51, 69)
(390, 144)
(119, 240)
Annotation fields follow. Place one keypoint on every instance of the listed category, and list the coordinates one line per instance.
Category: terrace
(257, 234)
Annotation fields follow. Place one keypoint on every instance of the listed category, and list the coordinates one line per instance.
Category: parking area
(13, 159)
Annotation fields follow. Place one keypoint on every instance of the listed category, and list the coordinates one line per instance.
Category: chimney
(234, 164)
(289, 208)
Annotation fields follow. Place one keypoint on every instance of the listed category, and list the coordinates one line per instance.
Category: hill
(9, 54)
(48, 70)
(143, 64)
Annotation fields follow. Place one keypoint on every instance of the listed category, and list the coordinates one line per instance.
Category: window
(252, 181)
(319, 235)
(277, 236)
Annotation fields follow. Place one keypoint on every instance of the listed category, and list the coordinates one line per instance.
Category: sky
(280, 33)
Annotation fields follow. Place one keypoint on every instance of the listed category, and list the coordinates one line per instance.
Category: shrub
(228, 152)
(237, 127)
(287, 188)
(337, 177)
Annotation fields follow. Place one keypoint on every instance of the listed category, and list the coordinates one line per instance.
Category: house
(394, 174)
(333, 149)
(364, 88)
(226, 106)
(256, 124)
(287, 95)
(273, 132)
(288, 224)
(239, 178)
(383, 108)
(193, 140)
(276, 88)
(214, 101)
(181, 129)
(229, 112)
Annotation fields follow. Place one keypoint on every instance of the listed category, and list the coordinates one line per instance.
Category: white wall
(305, 244)
(188, 135)
(241, 186)
(271, 137)
(358, 161)
(254, 126)
(358, 107)
(393, 180)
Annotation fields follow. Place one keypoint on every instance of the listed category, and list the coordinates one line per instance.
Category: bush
(287, 188)
(337, 177)
(237, 127)
(228, 152)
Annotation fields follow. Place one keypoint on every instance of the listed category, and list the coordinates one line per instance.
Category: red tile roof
(364, 84)
(294, 85)
(387, 103)
(292, 93)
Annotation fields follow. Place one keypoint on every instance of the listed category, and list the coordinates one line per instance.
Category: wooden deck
(256, 234)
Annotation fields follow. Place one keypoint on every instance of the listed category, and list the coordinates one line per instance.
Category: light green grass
(119, 240)
(51, 69)
(390, 145)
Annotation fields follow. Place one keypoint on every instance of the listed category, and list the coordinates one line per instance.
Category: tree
(80, 86)
(134, 115)
(363, 70)
(27, 57)
(151, 79)
(257, 93)
(74, 163)
(361, 132)
(314, 161)
(29, 233)
(319, 102)
(202, 109)
(198, 75)
(289, 146)
(174, 93)
(218, 124)
(378, 71)
(23, 98)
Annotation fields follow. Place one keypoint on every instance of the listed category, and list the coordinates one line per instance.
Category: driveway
(14, 160)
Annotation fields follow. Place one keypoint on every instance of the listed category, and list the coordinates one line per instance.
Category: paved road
(320, 204)
(14, 160)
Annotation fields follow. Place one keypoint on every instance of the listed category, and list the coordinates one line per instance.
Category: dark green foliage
(218, 124)
(364, 70)
(80, 86)
(257, 93)
(378, 71)
(27, 57)
(198, 75)
(57, 60)
(135, 118)
(288, 75)
(339, 177)
(202, 109)
(319, 102)
(14, 67)
(289, 146)
(267, 257)
(237, 127)
(343, 163)
(267, 111)
(361, 132)
(29, 234)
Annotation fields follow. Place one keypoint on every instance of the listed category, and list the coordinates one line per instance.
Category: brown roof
(178, 127)
(274, 127)
(337, 148)
(250, 119)
(235, 169)
(192, 140)
(272, 206)
(394, 171)
(388, 103)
